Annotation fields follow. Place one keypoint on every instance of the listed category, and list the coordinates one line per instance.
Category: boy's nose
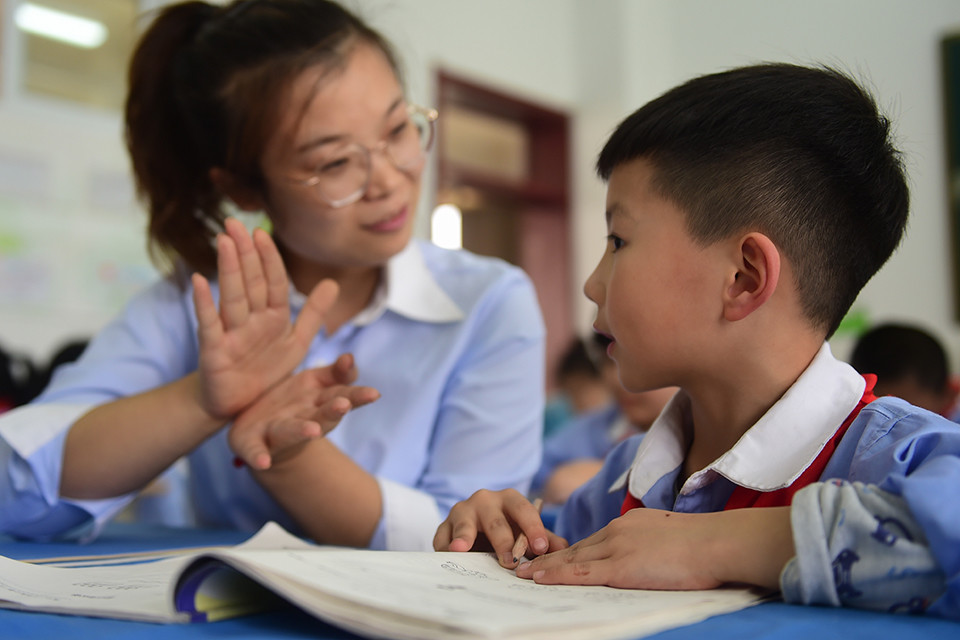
(593, 288)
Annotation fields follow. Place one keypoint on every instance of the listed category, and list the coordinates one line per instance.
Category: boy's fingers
(527, 518)
(315, 310)
(253, 279)
(463, 535)
(575, 565)
(499, 532)
(233, 296)
(590, 549)
(556, 542)
(459, 545)
(441, 539)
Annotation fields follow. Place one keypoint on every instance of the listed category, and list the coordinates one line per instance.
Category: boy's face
(658, 293)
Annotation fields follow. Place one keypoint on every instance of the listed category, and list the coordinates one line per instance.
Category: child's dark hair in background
(909, 363)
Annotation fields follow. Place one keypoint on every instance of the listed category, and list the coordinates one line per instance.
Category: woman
(293, 108)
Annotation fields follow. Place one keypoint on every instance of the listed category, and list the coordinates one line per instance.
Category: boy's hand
(300, 408)
(491, 520)
(249, 344)
(653, 549)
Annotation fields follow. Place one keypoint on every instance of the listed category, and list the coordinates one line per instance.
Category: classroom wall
(894, 46)
(71, 237)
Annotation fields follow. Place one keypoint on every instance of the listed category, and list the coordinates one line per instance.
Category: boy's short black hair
(800, 154)
(896, 352)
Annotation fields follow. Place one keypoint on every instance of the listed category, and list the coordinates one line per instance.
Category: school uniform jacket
(879, 530)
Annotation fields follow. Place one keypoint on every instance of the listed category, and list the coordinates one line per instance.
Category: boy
(575, 453)
(746, 210)
(909, 363)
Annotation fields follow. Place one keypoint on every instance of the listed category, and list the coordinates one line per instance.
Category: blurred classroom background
(528, 90)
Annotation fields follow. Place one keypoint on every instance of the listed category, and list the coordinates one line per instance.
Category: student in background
(22, 380)
(909, 363)
(255, 347)
(746, 210)
(580, 387)
(575, 453)
(18, 379)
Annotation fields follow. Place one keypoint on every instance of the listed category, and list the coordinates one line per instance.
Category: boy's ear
(756, 277)
(244, 197)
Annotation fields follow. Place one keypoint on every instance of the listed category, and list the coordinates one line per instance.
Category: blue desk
(773, 621)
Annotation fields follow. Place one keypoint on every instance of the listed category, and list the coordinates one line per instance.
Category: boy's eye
(615, 242)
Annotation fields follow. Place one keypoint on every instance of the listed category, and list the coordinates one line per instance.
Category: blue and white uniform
(880, 530)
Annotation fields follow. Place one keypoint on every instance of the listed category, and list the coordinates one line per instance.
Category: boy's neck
(727, 404)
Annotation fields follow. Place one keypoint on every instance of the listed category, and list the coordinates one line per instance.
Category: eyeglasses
(342, 174)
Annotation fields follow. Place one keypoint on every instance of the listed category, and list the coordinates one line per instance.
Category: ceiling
(94, 77)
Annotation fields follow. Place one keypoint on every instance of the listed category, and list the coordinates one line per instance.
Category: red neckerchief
(744, 497)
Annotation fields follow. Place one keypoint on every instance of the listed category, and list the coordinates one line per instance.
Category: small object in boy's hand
(520, 546)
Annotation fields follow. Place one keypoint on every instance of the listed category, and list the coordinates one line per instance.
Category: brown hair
(204, 82)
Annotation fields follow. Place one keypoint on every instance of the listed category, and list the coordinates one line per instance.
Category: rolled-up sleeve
(31, 454)
(410, 518)
(148, 345)
(857, 545)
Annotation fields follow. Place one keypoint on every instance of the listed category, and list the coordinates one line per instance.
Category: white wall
(893, 44)
(598, 59)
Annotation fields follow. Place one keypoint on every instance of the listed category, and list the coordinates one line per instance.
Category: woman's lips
(393, 223)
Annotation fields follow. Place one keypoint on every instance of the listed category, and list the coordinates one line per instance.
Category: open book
(379, 594)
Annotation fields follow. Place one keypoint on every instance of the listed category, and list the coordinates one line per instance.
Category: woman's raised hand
(249, 344)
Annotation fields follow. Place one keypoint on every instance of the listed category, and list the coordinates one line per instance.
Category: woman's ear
(244, 197)
(755, 279)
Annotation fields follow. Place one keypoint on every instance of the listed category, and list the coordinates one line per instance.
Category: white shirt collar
(773, 452)
(408, 288)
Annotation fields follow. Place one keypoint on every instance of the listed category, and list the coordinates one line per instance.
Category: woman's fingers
(209, 328)
(254, 282)
(315, 310)
(275, 274)
(252, 448)
(234, 309)
(344, 369)
(331, 411)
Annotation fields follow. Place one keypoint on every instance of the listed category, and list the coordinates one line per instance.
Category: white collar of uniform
(408, 288)
(774, 451)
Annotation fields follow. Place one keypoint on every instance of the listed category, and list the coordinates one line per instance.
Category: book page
(133, 586)
(380, 594)
(133, 592)
(444, 595)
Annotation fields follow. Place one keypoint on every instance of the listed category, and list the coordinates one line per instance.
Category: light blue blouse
(453, 341)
